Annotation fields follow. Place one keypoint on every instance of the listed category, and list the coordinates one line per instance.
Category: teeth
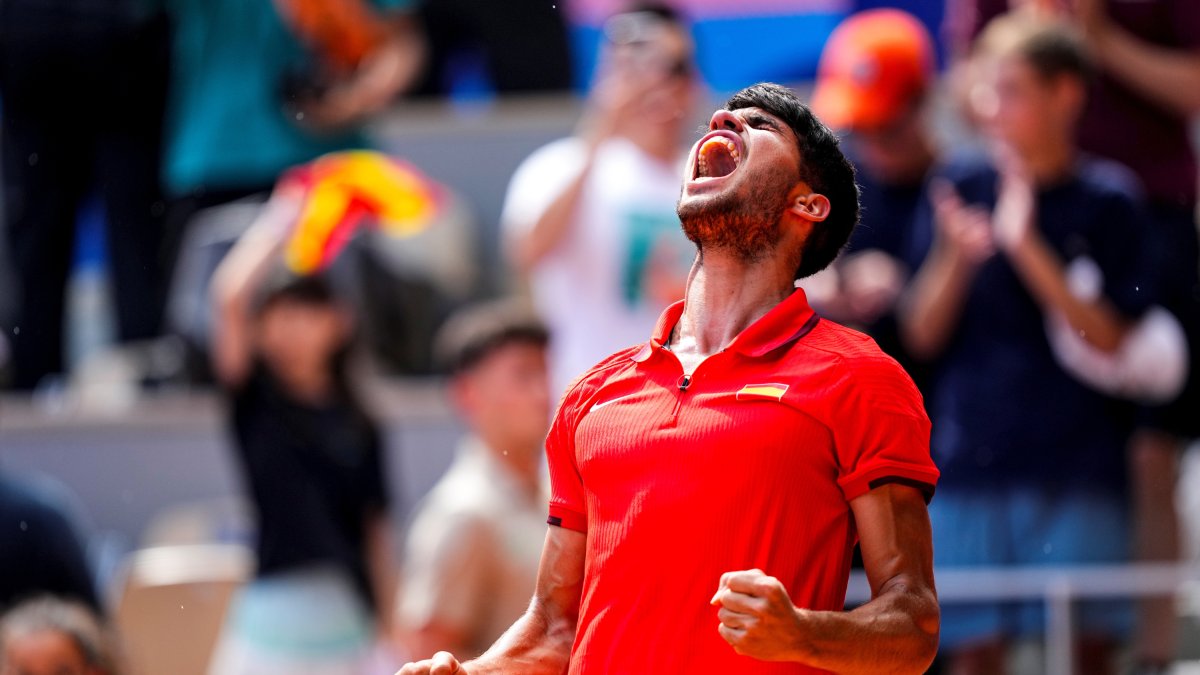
(702, 163)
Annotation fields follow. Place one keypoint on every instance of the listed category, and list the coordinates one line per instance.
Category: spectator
(591, 219)
(312, 459)
(1140, 112)
(51, 636)
(40, 551)
(1032, 460)
(874, 79)
(258, 87)
(473, 549)
(511, 47)
(83, 85)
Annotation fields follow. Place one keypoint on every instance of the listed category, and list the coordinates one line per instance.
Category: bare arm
(929, 311)
(529, 248)
(539, 643)
(1165, 75)
(896, 632)
(381, 76)
(613, 105)
(234, 283)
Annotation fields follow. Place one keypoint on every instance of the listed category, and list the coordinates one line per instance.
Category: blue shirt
(228, 126)
(1003, 411)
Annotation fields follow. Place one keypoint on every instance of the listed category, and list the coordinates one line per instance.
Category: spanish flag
(772, 391)
(341, 190)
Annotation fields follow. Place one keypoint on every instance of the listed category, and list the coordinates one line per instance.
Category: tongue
(718, 162)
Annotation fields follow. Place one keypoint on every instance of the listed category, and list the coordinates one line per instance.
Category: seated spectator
(1033, 469)
(51, 636)
(40, 551)
(312, 460)
(472, 553)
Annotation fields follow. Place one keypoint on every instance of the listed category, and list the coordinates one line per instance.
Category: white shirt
(593, 288)
(472, 553)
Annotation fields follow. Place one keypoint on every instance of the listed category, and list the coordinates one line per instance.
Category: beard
(747, 227)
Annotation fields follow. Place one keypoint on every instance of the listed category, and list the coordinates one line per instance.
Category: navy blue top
(316, 475)
(1003, 411)
(888, 212)
(886, 220)
(40, 551)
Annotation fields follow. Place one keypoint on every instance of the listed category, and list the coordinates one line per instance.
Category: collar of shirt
(785, 323)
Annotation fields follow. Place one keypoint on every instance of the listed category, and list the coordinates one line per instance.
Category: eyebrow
(757, 116)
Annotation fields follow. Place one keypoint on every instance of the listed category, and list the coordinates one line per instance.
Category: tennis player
(709, 486)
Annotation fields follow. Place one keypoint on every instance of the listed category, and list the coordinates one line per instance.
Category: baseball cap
(873, 64)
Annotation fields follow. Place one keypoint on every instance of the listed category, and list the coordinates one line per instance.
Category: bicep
(895, 537)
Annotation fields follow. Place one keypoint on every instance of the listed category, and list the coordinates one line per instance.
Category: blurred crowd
(1040, 282)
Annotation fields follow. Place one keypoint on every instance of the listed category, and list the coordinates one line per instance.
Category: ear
(810, 206)
(1072, 95)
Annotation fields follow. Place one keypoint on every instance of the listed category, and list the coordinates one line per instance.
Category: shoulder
(1106, 178)
(849, 363)
(598, 375)
(965, 166)
(562, 153)
(42, 504)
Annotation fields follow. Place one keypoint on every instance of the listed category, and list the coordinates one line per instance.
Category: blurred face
(1020, 108)
(44, 653)
(897, 151)
(506, 398)
(658, 67)
(298, 336)
(741, 176)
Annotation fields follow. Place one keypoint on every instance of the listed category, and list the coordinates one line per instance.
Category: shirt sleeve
(1124, 253)
(537, 182)
(881, 431)
(567, 506)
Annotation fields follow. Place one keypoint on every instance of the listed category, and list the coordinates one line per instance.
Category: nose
(724, 119)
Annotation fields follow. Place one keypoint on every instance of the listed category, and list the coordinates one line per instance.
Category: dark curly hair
(822, 166)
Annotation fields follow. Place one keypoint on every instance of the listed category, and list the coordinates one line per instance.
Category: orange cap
(874, 63)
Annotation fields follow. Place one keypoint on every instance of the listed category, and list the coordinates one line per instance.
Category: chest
(663, 442)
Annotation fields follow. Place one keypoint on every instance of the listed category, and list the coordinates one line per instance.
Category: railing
(1058, 588)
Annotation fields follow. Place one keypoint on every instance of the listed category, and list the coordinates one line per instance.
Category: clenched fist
(442, 663)
(757, 617)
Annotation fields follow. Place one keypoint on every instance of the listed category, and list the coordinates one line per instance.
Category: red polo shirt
(752, 462)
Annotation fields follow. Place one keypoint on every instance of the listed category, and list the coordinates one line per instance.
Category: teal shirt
(227, 125)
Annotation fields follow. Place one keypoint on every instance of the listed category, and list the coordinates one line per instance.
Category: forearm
(552, 226)
(1043, 274)
(897, 632)
(1169, 77)
(537, 644)
(929, 311)
(234, 282)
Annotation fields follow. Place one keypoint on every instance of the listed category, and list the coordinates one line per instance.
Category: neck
(310, 385)
(521, 461)
(1050, 162)
(725, 295)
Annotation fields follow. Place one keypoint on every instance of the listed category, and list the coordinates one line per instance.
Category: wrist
(801, 648)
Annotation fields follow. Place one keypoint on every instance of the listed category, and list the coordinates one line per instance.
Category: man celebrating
(708, 486)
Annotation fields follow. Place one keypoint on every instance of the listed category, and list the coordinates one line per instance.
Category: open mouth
(717, 157)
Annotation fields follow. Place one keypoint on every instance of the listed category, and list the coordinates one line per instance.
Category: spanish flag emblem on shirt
(771, 391)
